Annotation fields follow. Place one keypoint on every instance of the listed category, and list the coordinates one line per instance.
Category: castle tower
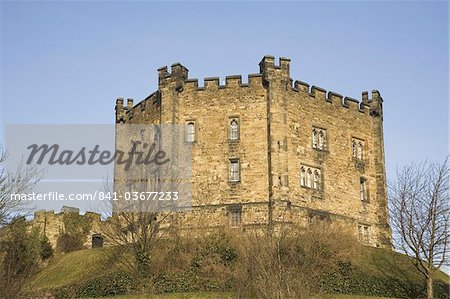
(272, 151)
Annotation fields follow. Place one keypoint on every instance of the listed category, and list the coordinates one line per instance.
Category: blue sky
(67, 62)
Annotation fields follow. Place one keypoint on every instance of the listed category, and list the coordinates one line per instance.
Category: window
(362, 189)
(364, 233)
(319, 138)
(316, 180)
(234, 129)
(310, 177)
(302, 176)
(190, 132)
(314, 138)
(234, 171)
(357, 149)
(354, 149)
(235, 217)
(360, 151)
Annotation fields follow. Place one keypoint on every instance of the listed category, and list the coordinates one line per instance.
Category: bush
(117, 283)
(46, 248)
(290, 263)
(21, 254)
(67, 242)
(76, 229)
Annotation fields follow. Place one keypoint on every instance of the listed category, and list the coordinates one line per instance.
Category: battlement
(316, 92)
(178, 72)
(269, 72)
(41, 214)
(234, 81)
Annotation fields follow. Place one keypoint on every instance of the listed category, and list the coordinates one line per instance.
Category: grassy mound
(384, 273)
(98, 272)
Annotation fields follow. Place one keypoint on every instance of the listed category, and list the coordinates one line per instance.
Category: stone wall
(51, 224)
(276, 118)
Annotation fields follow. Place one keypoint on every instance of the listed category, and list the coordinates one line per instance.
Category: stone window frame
(308, 182)
(363, 190)
(232, 118)
(231, 161)
(235, 216)
(364, 232)
(358, 149)
(315, 139)
(192, 121)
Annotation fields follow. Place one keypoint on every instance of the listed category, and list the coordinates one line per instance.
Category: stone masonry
(274, 150)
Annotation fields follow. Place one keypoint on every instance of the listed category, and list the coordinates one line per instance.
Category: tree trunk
(429, 287)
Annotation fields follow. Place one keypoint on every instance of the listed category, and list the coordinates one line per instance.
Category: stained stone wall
(276, 116)
(51, 224)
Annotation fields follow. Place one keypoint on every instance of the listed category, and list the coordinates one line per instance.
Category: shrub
(21, 253)
(67, 242)
(76, 229)
(290, 263)
(46, 248)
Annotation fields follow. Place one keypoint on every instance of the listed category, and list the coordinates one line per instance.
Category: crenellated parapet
(366, 105)
(51, 224)
(178, 74)
(230, 82)
(177, 79)
(123, 112)
(271, 71)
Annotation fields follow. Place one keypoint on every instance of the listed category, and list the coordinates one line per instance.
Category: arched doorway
(97, 241)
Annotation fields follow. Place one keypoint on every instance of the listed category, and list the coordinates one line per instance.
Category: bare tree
(420, 216)
(145, 194)
(19, 181)
(291, 262)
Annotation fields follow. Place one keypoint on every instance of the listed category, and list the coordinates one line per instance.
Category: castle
(274, 150)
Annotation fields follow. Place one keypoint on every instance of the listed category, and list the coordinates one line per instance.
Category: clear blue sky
(68, 62)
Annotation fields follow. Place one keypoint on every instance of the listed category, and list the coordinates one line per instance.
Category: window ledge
(233, 141)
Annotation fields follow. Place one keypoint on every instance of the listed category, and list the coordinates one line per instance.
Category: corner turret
(270, 71)
(179, 74)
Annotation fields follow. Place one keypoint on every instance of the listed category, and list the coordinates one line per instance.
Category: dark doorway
(97, 241)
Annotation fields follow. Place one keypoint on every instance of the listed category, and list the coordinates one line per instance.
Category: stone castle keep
(268, 152)
(274, 150)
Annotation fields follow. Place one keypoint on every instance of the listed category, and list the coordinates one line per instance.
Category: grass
(197, 295)
(73, 267)
(84, 265)
(386, 263)
(217, 295)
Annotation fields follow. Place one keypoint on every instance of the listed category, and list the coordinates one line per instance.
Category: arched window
(316, 180)
(321, 138)
(234, 129)
(354, 149)
(308, 178)
(314, 138)
(302, 176)
(360, 151)
(190, 132)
